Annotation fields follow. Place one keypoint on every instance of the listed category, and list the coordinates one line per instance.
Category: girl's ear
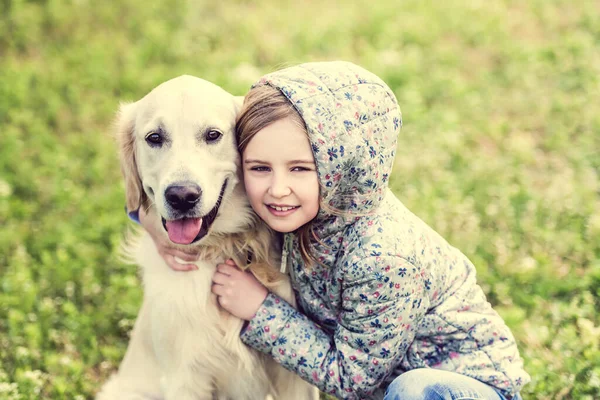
(125, 135)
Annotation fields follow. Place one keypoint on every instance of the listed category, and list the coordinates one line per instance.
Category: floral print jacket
(389, 294)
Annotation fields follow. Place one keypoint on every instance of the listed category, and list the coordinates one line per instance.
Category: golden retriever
(180, 161)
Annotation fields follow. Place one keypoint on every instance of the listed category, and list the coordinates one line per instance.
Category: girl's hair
(264, 105)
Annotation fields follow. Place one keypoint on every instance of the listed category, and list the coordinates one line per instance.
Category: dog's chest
(184, 299)
(186, 318)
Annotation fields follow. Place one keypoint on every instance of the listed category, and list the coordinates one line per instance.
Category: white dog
(180, 161)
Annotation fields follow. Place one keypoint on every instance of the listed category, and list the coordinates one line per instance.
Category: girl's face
(280, 176)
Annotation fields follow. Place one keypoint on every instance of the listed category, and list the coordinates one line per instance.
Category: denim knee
(408, 386)
(398, 390)
(428, 384)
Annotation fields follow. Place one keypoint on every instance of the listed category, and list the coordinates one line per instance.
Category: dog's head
(179, 158)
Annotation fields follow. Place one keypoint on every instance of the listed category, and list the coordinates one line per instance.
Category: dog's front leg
(139, 372)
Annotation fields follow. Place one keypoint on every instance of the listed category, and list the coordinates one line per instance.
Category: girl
(387, 308)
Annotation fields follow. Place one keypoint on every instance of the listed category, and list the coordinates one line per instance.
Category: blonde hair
(264, 105)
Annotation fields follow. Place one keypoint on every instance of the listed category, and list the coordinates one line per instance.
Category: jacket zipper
(287, 241)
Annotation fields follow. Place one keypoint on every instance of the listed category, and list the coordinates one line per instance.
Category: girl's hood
(353, 120)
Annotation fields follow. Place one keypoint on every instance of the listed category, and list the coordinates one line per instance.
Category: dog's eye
(213, 135)
(154, 139)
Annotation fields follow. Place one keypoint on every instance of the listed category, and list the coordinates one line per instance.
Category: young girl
(387, 308)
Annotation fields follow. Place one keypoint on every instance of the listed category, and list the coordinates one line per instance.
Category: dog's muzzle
(183, 198)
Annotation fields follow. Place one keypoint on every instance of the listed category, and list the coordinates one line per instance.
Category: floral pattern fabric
(389, 294)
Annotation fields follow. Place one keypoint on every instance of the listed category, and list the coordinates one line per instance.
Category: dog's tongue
(184, 231)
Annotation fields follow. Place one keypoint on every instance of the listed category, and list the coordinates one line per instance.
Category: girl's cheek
(247, 177)
(252, 190)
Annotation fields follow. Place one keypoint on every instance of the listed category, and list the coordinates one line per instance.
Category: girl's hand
(237, 291)
(165, 247)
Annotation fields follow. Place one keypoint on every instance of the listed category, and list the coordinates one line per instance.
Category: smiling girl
(387, 308)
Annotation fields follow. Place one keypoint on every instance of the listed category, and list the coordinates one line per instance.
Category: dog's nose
(183, 197)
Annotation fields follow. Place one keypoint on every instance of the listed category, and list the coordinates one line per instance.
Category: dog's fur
(183, 345)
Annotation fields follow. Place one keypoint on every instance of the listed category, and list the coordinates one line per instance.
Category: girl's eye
(260, 169)
(300, 169)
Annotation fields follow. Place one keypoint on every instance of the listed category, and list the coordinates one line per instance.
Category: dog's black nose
(183, 197)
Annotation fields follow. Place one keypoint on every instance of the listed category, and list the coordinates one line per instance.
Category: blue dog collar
(133, 215)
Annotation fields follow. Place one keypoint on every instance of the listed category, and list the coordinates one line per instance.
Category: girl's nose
(279, 187)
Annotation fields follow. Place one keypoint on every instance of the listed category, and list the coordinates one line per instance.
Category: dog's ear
(239, 102)
(125, 135)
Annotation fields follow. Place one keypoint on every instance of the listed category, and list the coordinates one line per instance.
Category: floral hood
(353, 120)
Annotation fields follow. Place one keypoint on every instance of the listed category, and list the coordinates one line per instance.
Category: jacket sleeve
(382, 303)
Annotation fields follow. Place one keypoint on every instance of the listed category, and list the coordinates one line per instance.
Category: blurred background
(500, 153)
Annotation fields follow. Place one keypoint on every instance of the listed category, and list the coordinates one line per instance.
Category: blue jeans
(435, 384)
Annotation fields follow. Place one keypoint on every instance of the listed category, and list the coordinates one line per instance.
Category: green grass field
(500, 153)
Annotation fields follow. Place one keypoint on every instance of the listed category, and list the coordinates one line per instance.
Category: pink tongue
(184, 231)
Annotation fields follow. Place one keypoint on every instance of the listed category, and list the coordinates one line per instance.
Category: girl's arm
(376, 325)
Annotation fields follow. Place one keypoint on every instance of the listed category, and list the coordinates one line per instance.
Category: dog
(180, 162)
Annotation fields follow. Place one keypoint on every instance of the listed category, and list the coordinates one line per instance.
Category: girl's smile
(281, 211)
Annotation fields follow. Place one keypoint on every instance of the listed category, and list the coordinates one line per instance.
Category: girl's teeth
(282, 208)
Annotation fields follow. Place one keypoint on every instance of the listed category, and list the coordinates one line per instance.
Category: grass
(500, 153)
